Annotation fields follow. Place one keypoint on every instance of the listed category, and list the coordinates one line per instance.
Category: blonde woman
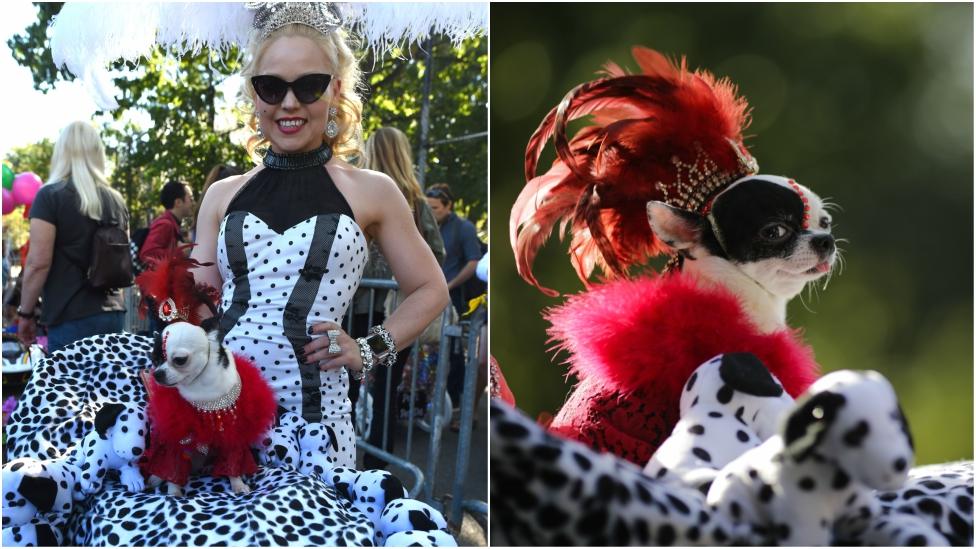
(63, 219)
(288, 240)
(388, 151)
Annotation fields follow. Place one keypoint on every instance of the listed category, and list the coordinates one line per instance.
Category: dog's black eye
(824, 223)
(774, 232)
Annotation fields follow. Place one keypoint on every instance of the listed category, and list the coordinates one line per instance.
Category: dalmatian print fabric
(276, 286)
(57, 410)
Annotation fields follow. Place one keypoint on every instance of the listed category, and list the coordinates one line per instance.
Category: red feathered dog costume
(178, 429)
(670, 135)
(633, 345)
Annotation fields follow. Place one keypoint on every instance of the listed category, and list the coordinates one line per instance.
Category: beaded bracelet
(390, 356)
(366, 353)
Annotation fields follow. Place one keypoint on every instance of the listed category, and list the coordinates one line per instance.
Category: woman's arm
(42, 236)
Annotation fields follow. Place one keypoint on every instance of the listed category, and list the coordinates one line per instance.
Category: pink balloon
(8, 202)
(25, 187)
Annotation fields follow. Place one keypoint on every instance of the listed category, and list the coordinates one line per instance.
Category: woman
(288, 240)
(388, 151)
(64, 216)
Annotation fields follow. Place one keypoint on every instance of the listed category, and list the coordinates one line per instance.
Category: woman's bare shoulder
(368, 181)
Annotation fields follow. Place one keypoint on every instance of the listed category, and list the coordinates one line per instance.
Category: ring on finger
(333, 336)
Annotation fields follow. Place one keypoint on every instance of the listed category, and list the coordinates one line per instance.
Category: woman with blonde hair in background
(63, 219)
(388, 151)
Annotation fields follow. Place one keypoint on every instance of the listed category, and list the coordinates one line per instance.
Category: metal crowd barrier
(468, 332)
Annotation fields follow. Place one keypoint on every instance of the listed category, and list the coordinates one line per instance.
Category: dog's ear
(105, 418)
(679, 229)
(392, 489)
(745, 373)
(904, 427)
(210, 324)
(807, 425)
(158, 355)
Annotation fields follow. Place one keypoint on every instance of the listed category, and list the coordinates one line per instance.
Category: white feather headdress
(87, 37)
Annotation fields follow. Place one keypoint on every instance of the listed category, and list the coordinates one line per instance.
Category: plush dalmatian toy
(845, 437)
(37, 532)
(117, 442)
(730, 404)
(35, 488)
(414, 538)
(308, 447)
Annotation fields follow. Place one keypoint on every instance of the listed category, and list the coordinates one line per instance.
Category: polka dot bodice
(280, 279)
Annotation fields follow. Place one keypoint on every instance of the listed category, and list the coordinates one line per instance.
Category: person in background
(63, 219)
(164, 232)
(388, 151)
(218, 172)
(463, 250)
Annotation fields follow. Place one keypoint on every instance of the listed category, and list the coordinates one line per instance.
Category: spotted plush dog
(846, 437)
(730, 404)
(118, 441)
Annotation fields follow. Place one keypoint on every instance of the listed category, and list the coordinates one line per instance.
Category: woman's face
(293, 126)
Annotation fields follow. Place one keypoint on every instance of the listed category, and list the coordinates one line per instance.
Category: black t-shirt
(67, 295)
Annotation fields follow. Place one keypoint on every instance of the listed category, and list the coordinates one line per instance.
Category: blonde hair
(79, 159)
(387, 150)
(347, 142)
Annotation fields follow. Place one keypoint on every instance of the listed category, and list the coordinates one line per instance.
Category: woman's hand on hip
(317, 350)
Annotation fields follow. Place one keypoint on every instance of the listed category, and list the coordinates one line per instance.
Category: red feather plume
(599, 185)
(170, 277)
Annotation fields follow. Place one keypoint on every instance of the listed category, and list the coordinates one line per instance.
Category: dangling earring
(332, 129)
(259, 132)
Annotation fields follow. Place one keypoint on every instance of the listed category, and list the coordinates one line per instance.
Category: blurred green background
(869, 104)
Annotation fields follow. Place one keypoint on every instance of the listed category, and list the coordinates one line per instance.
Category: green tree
(36, 158)
(181, 97)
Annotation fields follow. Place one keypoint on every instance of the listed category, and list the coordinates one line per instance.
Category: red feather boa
(173, 420)
(633, 345)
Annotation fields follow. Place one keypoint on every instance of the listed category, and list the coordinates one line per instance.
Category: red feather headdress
(666, 134)
(170, 286)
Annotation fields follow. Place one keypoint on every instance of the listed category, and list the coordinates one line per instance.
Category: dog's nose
(180, 360)
(823, 244)
(159, 375)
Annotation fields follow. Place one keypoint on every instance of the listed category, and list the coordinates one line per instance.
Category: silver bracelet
(366, 353)
(390, 356)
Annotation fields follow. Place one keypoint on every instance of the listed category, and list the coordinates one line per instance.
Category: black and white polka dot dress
(291, 255)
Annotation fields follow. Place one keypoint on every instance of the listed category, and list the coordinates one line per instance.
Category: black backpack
(135, 246)
(110, 263)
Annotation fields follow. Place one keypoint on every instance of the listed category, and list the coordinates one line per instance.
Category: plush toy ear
(210, 324)
(105, 418)
(392, 488)
(40, 491)
(679, 229)
(807, 425)
(745, 373)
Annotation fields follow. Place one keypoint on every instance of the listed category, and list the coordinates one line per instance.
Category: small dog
(764, 238)
(204, 402)
(845, 437)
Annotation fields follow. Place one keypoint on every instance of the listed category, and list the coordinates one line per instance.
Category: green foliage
(870, 104)
(166, 124)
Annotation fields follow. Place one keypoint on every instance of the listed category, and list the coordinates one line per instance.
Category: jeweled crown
(271, 16)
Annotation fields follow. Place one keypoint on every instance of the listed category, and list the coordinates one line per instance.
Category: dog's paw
(174, 490)
(239, 486)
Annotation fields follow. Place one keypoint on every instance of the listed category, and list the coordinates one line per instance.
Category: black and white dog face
(183, 351)
(774, 230)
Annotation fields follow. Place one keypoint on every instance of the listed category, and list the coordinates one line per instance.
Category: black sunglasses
(308, 89)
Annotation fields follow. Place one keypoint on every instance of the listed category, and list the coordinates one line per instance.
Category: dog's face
(853, 419)
(184, 350)
(759, 225)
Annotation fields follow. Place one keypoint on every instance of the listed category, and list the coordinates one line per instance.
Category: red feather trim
(605, 175)
(170, 277)
(636, 342)
(173, 420)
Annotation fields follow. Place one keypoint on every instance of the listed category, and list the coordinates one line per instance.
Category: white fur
(200, 377)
